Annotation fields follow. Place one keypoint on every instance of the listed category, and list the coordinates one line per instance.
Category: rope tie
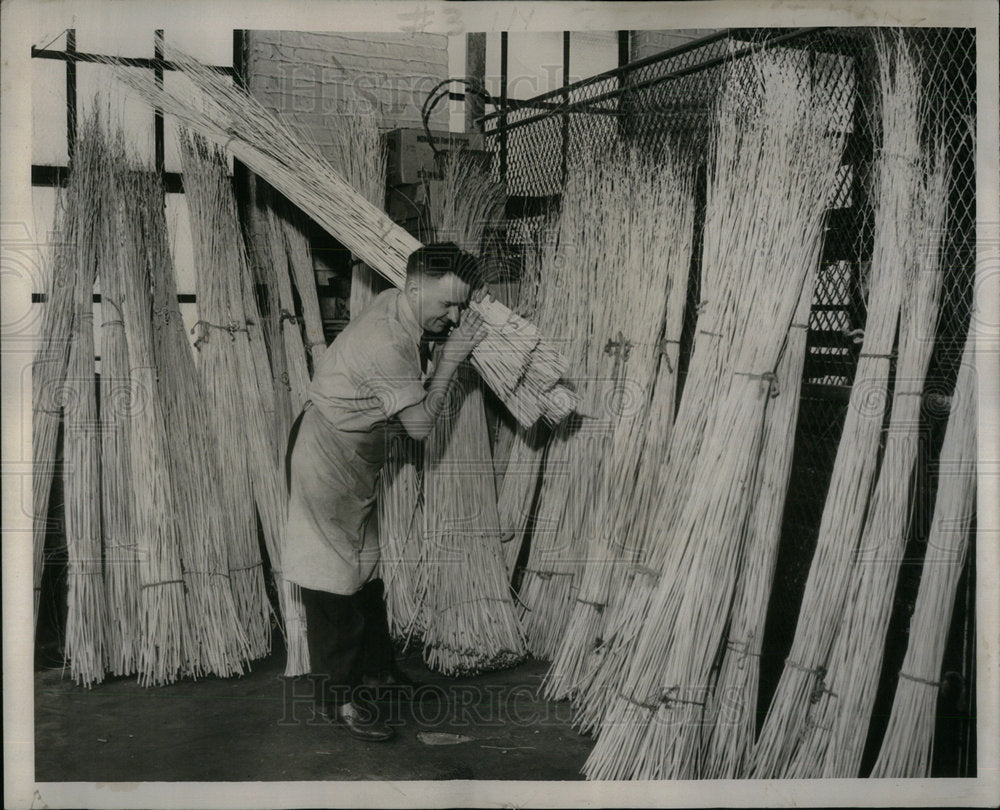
(768, 377)
(116, 322)
(547, 574)
(205, 326)
(649, 706)
(598, 606)
(700, 306)
(798, 326)
(819, 673)
(644, 569)
(856, 335)
(706, 332)
(620, 348)
(876, 355)
(246, 567)
(924, 681)
(908, 394)
(287, 316)
(661, 347)
(742, 648)
(669, 696)
(53, 411)
(164, 582)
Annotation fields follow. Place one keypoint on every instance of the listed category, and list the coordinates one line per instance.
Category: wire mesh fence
(667, 101)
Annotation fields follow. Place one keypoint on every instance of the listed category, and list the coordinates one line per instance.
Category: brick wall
(303, 75)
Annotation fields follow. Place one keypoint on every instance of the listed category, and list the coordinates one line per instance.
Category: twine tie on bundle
(231, 328)
(819, 673)
(768, 377)
(742, 648)
(917, 679)
(285, 315)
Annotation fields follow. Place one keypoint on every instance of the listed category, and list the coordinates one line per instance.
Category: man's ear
(411, 285)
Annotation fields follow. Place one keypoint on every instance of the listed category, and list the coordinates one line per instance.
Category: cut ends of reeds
(523, 368)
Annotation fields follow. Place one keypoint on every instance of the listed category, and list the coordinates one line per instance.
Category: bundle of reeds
(470, 623)
(780, 148)
(654, 217)
(908, 744)
(164, 627)
(359, 154)
(119, 399)
(837, 726)
(82, 480)
(461, 522)
(240, 124)
(517, 469)
(228, 380)
(898, 178)
(300, 261)
(48, 375)
(732, 713)
(401, 536)
(218, 643)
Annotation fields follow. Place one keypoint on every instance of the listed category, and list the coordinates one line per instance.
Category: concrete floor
(255, 728)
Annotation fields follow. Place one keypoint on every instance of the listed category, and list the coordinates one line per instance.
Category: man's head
(439, 280)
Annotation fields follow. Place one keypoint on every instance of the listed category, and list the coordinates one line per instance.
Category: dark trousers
(348, 639)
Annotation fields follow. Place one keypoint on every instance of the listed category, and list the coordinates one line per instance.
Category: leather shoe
(361, 725)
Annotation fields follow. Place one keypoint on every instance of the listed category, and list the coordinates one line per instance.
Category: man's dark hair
(440, 258)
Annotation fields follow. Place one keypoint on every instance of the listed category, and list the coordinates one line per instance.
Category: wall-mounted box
(411, 158)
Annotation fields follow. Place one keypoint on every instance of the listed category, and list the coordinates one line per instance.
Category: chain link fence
(667, 101)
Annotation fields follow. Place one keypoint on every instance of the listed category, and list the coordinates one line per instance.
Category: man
(369, 381)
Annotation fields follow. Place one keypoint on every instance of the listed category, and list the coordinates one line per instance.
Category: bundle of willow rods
(359, 154)
(470, 623)
(654, 217)
(669, 472)
(733, 710)
(837, 726)
(401, 536)
(240, 124)
(572, 302)
(782, 149)
(118, 401)
(897, 195)
(218, 642)
(239, 385)
(229, 382)
(301, 264)
(908, 744)
(469, 619)
(85, 613)
(48, 375)
(164, 627)
(517, 479)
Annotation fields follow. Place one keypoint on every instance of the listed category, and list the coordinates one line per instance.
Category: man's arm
(419, 419)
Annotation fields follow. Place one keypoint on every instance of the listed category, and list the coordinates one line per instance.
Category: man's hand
(465, 337)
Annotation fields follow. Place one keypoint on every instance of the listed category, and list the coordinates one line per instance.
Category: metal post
(565, 115)
(503, 108)
(70, 94)
(475, 72)
(157, 112)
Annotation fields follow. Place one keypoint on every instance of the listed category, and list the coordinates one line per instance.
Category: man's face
(440, 302)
